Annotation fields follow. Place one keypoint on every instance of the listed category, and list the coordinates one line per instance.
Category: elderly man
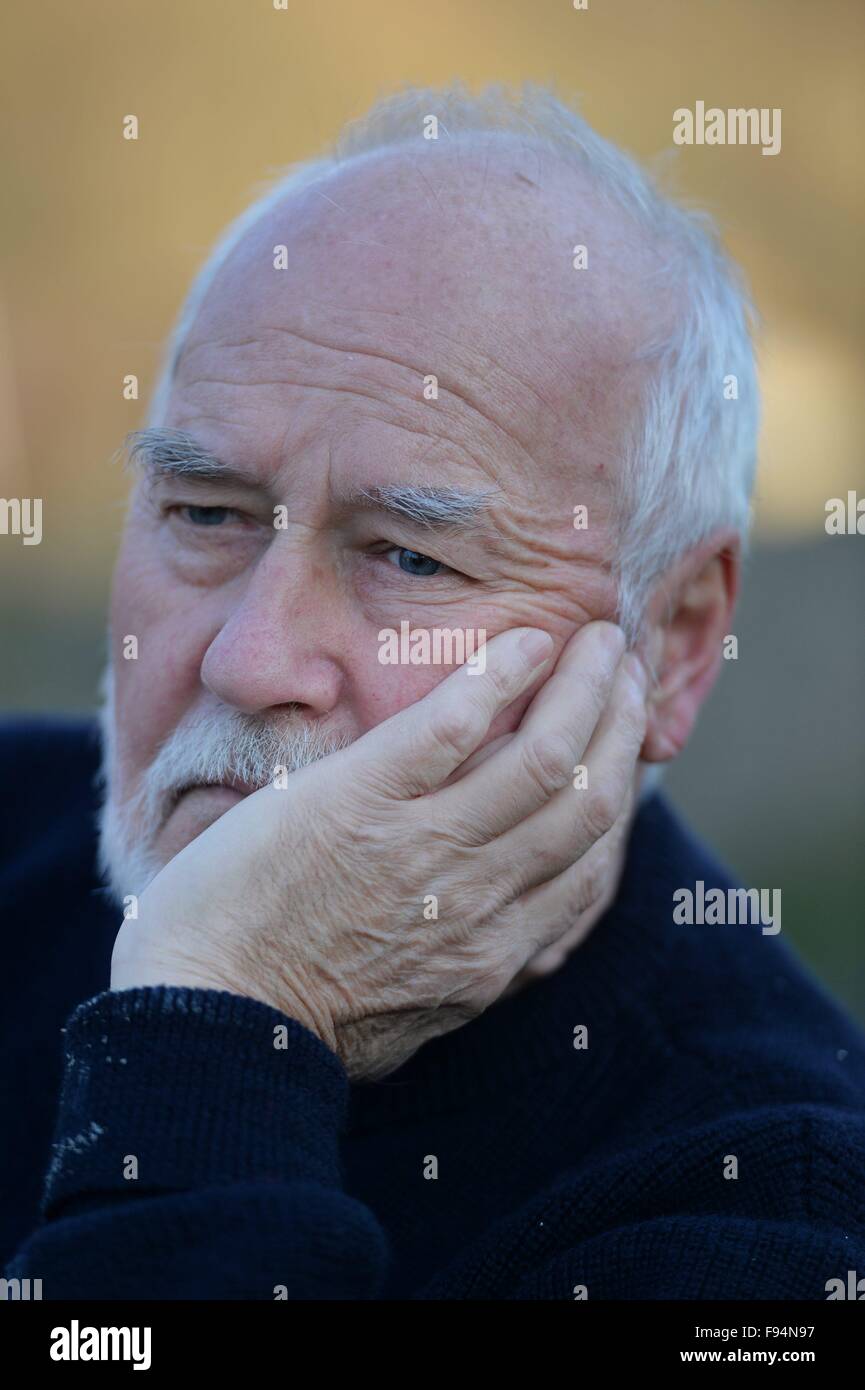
(400, 1003)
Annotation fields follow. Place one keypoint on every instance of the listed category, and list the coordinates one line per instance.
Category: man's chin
(129, 863)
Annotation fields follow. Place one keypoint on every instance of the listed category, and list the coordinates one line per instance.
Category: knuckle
(481, 903)
(455, 730)
(547, 760)
(600, 812)
(444, 838)
(589, 886)
(543, 863)
(499, 684)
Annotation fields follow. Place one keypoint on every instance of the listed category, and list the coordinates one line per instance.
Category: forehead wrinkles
(449, 439)
(493, 418)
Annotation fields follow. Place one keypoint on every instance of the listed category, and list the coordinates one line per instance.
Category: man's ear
(688, 616)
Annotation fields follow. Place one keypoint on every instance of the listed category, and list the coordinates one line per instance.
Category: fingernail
(613, 637)
(536, 645)
(636, 670)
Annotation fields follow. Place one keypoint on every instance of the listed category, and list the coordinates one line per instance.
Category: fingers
(539, 760)
(558, 835)
(477, 758)
(416, 750)
(564, 909)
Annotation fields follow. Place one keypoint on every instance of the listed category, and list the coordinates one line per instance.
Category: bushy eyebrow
(166, 453)
(437, 507)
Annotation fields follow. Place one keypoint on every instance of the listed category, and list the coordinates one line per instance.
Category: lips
(230, 784)
(192, 809)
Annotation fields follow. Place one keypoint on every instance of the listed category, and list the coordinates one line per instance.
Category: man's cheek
(394, 688)
(391, 688)
(155, 682)
(136, 720)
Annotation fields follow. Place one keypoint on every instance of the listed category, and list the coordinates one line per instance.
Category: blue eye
(206, 516)
(412, 562)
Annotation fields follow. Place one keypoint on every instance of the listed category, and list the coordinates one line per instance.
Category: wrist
(142, 970)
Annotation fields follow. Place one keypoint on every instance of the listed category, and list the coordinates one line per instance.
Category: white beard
(211, 745)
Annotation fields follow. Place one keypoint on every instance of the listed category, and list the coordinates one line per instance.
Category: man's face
(308, 384)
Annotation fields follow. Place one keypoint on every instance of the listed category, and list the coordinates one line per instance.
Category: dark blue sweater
(194, 1159)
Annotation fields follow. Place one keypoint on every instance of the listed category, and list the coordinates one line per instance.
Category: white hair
(689, 468)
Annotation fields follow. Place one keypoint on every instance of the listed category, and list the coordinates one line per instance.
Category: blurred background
(101, 236)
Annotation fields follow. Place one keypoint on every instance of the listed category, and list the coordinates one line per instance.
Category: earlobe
(688, 617)
(673, 711)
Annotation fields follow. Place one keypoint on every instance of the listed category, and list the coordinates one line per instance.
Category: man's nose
(279, 644)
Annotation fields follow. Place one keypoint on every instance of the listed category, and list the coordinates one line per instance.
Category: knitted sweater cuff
(173, 1089)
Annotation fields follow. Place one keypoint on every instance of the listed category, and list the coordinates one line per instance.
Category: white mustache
(226, 746)
(217, 745)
